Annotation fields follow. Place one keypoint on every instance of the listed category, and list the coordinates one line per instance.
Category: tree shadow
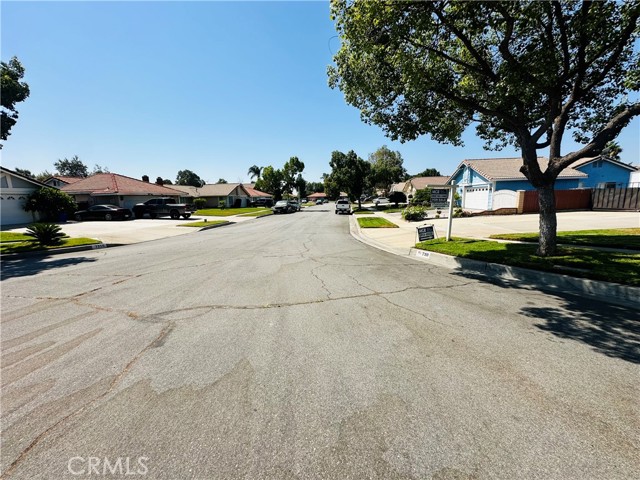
(608, 328)
(25, 266)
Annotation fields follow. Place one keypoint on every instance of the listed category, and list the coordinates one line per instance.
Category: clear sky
(213, 87)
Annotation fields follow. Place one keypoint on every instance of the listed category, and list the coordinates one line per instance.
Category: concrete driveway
(134, 231)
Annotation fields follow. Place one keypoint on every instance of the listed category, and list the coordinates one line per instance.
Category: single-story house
(14, 190)
(231, 194)
(492, 183)
(59, 181)
(414, 184)
(257, 194)
(604, 172)
(316, 196)
(114, 189)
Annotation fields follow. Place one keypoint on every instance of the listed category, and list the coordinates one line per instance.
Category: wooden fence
(579, 199)
(616, 199)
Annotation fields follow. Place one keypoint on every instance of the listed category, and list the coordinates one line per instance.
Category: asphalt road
(282, 348)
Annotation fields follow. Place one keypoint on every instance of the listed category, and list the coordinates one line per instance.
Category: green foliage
(221, 180)
(100, 169)
(330, 186)
(386, 168)
(414, 214)
(271, 182)
(376, 222)
(349, 173)
(24, 172)
(429, 172)
(254, 172)
(13, 91)
(199, 203)
(50, 202)
(47, 234)
(422, 197)
(526, 73)
(291, 174)
(71, 167)
(315, 187)
(187, 177)
(397, 197)
(42, 176)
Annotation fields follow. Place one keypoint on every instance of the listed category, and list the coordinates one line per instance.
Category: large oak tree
(526, 73)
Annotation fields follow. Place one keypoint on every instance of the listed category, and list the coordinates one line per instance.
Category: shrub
(46, 233)
(397, 197)
(50, 202)
(422, 197)
(199, 203)
(413, 214)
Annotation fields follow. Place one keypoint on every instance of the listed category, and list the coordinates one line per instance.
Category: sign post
(452, 192)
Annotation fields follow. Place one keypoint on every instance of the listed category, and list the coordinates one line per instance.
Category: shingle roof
(397, 187)
(509, 168)
(256, 193)
(420, 183)
(584, 161)
(210, 189)
(112, 183)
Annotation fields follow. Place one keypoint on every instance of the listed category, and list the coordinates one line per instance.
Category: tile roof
(317, 195)
(256, 193)
(509, 168)
(112, 183)
(420, 183)
(65, 179)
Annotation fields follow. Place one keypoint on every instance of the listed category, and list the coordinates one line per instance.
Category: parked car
(284, 206)
(295, 204)
(319, 201)
(163, 207)
(380, 201)
(343, 206)
(103, 212)
(263, 202)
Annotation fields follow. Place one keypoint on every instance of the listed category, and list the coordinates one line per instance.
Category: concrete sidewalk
(400, 241)
(404, 238)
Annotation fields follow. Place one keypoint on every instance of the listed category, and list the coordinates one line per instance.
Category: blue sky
(213, 87)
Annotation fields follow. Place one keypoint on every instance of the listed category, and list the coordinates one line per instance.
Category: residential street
(282, 348)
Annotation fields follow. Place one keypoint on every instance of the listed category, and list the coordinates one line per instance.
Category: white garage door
(11, 212)
(476, 198)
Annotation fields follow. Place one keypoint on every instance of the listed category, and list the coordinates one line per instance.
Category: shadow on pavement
(22, 267)
(610, 329)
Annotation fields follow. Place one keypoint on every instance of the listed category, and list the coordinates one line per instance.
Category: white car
(380, 201)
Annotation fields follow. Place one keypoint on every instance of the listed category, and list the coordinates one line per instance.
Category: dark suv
(284, 206)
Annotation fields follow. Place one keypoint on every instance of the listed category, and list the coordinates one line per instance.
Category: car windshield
(281, 203)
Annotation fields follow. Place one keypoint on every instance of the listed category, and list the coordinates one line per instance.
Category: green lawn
(363, 212)
(376, 222)
(578, 262)
(261, 213)
(33, 246)
(217, 212)
(628, 238)
(14, 237)
(203, 223)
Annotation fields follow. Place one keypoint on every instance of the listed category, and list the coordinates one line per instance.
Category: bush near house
(50, 203)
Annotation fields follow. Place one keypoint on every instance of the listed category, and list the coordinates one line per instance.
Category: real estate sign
(426, 232)
(440, 197)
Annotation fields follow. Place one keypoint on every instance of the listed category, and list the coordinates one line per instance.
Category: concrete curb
(40, 253)
(209, 227)
(545, 281)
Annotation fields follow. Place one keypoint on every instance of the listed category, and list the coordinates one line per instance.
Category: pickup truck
(343, 206)
(163, 207)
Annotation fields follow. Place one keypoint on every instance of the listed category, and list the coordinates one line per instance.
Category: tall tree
(99, 169)
(290, 171)
(350, 173)
(330, 186)
(71, 167)
(271, 182)
(25, 173)
(386, 168)
(429, 172)
(314, 187)
(14, 90)
(42, 176)
(613, 150)
(527, 73)
(187, 177)
(254, 172)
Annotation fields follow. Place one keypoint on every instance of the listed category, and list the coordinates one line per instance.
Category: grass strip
(615, 267)
(627, 238)
(363, 212)
(203, 223)
(258, 214)
(376, 222)
(227, 212)
(14, 237)
(34, 246)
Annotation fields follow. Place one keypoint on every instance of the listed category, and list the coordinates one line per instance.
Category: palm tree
(254, 172)
(613, 150)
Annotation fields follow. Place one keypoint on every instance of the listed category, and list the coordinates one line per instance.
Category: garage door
(476, 198)
(11, 212)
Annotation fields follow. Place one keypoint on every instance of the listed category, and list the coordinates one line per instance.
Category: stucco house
(59, 181)
(114, 189)
(604, 172)
(231, 194)
(14, 190)
(492, 183)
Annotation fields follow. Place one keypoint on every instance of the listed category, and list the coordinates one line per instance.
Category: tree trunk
(548, 221)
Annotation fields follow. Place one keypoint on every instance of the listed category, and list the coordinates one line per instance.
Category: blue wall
(561, 184)
(608, 172)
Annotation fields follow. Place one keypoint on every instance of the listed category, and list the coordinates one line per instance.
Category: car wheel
(78, 218)
(108, 217)
(175, 215)
(152, 215)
